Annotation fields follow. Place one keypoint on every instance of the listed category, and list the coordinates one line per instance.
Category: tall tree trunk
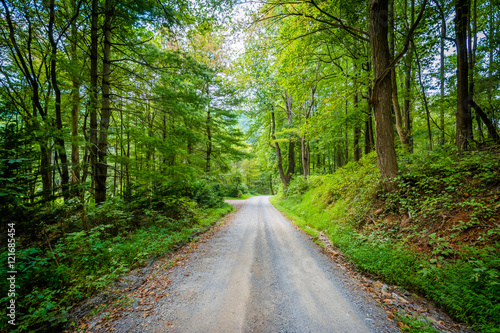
(402, 133)
(408, 73)
(93, 93)
(291, 139)
(304, 143)
(464, 122)
(303, 156)
(57, 92)
(46, 169)
(115, 172)
(189, 141)
(122, 149)
(491, 49)
(208, 125)
(424, 97)
(357, 149)
(368, 147)
(209, 141)
(472, 46)
(75, 107)
(24, 61)
(346, 139)
(403, 137)
(369, 142)
(271, 184)
(330, 170)
(128, 188)
(283, 178)
(291, 159)
(356, 132)
(382, 91)
(442, 78)
(308, 159)
(102, 167)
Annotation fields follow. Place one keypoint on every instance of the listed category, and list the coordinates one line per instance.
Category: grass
(79, 264)
(425, 255)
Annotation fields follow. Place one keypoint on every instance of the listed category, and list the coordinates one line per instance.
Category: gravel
(256, 273)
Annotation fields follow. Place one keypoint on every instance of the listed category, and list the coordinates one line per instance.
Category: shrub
(343, 205)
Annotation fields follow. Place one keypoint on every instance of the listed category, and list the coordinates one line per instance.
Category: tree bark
(424, 97)
(75, 106)
(209, 136)
(291, 139)
(304, 154)
(46, 169)
(369, 142)
(356, 132)
(346, 139)
(102, 167)
(491, 50)
(304, 144)
(382, 91)
(403, 137)
(283, 178)
(24, 61)
(93, 93)
(408, 73)
(291, 159)
(492, 132)
(463, 115)
(57, 92)
(271, 184)
(472, 46)
(441, 78)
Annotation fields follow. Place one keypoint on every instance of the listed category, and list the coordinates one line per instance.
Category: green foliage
(415, 323)
(464, 282)
(298, 187)
(16, 157)
(234, 185)
(53, 278)
(205, 192)
(439, 183)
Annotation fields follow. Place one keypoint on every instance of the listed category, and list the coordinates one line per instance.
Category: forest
(125, 124)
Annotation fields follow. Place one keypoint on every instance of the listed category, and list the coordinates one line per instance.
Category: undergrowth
(437, 234)
(71, 265)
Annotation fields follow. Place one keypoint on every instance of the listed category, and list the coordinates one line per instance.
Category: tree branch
(409, 37)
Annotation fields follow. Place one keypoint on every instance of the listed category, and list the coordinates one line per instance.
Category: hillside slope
(437, 234)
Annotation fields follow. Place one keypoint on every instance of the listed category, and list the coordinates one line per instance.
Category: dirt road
(257, 274)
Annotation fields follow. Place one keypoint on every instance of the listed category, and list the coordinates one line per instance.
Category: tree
(382, 63)
(382, 90)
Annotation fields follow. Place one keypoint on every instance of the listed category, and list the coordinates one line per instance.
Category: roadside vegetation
(118, 133)
(60, 264)
(124, 124)
(437, 234)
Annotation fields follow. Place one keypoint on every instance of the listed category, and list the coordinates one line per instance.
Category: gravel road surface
(256, 274)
